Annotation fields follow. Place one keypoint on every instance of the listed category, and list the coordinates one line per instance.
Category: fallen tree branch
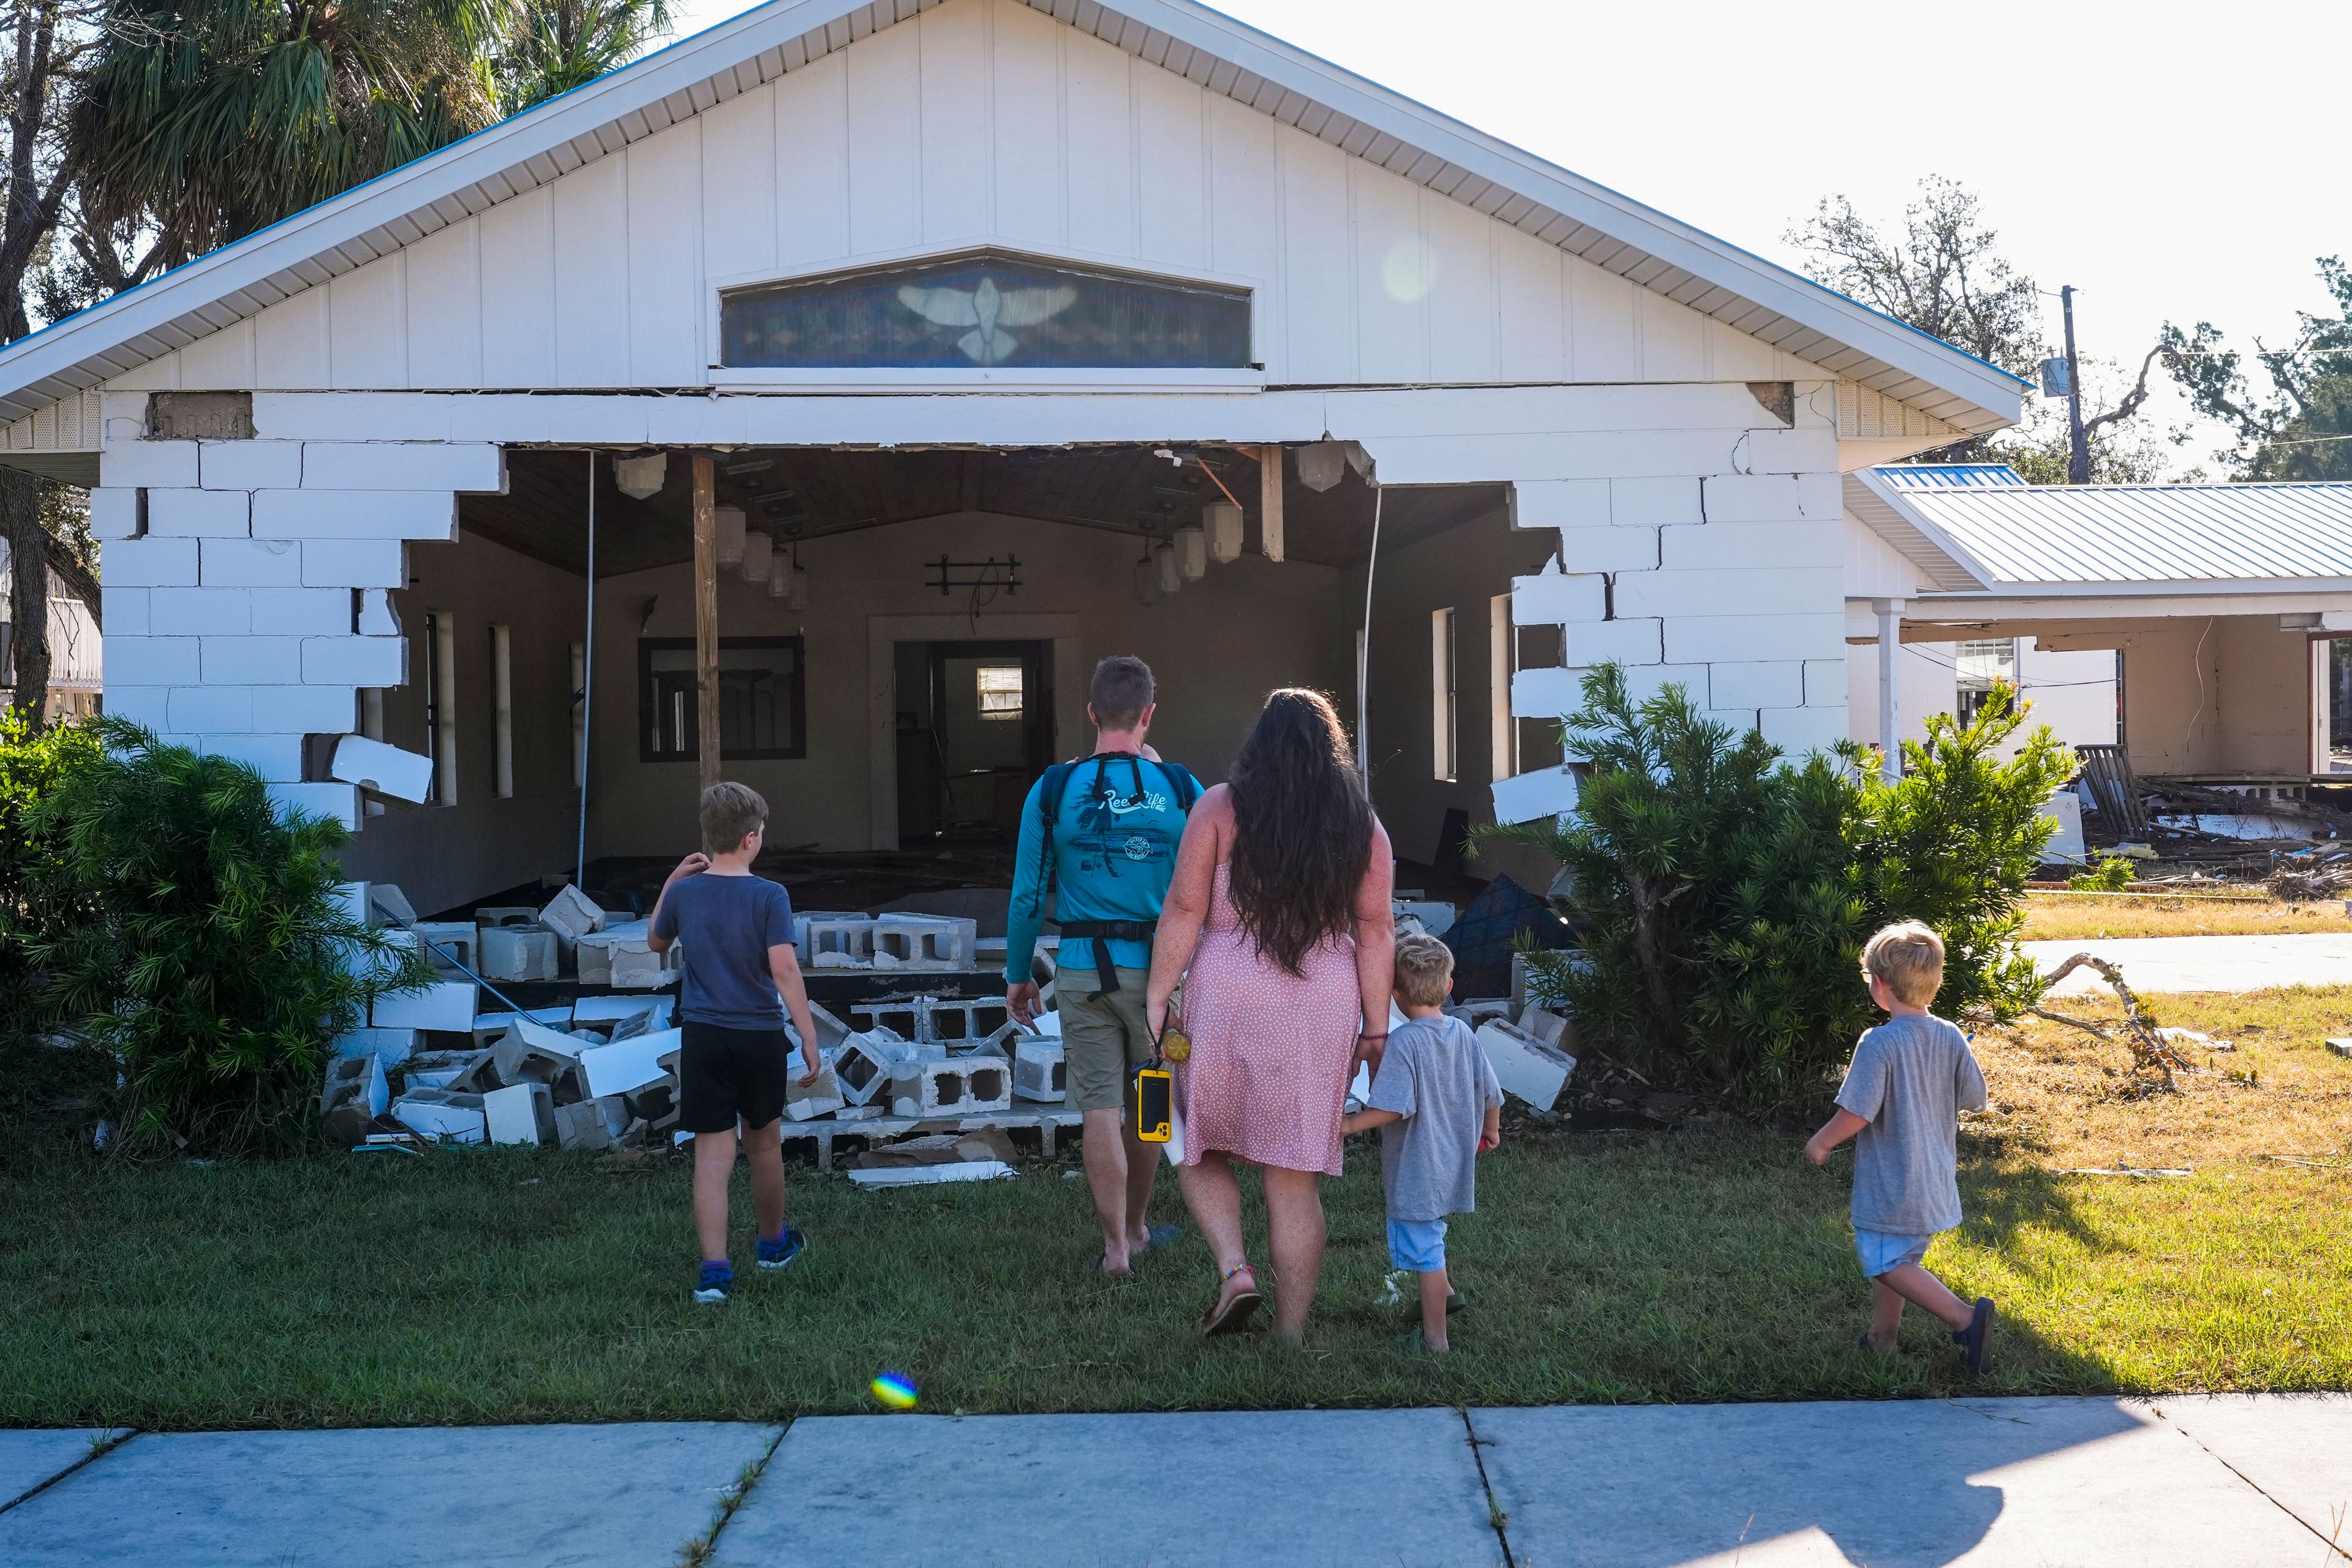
(2149, 1047)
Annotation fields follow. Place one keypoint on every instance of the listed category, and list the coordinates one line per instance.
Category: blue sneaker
(712, 1285)
(779, 1253)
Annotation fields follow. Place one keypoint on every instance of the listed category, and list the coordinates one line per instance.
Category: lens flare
(895, 1389)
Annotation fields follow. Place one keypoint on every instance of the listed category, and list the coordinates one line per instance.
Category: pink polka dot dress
(1271, 1050)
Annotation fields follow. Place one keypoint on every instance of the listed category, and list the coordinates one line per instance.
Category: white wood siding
(981, 122)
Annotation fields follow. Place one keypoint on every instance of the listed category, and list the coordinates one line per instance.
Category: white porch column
(1890, 688)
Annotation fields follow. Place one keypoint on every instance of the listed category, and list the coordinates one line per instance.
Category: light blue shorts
(1417, 1244)
(1881, 1250)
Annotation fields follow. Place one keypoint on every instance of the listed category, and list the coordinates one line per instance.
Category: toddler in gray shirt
(1438, 1106)
(1910, 1078)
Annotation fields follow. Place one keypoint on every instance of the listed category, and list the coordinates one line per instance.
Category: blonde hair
(1425, 969)
(1908, 959)
(729, 811)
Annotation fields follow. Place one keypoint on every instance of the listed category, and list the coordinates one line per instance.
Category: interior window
(763, 697)
(1000, 690)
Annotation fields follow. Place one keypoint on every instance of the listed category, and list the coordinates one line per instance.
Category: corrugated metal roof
(2246, 536)
(1949, 476)
(1687, 265)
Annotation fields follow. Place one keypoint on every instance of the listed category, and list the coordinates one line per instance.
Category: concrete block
(1038, 1071)
(1560, 503)
(387, 902)
(376, 618)
(1701, 546)
(1629, 641)
(637, 967)
(1654, 502)
(572, 914)
(1826, 683)
(1527, 1066)
(251, 563)
(355, 1092)
(355, 662)
(448, 943)
(148, 564)
(251, 662)
(404, 466)
(924, 942)
(1775, 684)
(1553, 1030)
(387, 770)
(628, 1065)
(863, 1065)
(1771, 498)
(1742, 591)
(581, 1125)
(207, 710)
(961, 1086)
(436, 1113)
(1732, 639)
(447, 1005)
(128, 611)
(277, 758)
(507, 915)
(822, 1098)
(1611, 549)
(829, 1030)
(199, 514)
(519, 952)
(143, 462)
(113, 514)
(1738, 721)
(304, 709)
(354, 564)
(355, 514)
(249, 465)
(151, 660)
(147, 706)
(520, 1113)
(194, 612)
(1547, 792)
(592, 955)
(302, 612)
(1552, 597)
(390, 1046)
(1798, 730)
(822, 934)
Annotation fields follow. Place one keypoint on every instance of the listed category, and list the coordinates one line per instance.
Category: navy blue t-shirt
(727, 925)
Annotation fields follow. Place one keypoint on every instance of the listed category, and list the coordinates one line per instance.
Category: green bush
(1723, 898)
(194, 932)
(2112, 874)
(31, 764)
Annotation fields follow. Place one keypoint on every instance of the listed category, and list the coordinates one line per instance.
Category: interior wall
(2222, 696)
(1216, 648)
(446, 855)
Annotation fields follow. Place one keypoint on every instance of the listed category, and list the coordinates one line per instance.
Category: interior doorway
(975, 729)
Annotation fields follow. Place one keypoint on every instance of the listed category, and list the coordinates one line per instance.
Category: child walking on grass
(1911, 1077)
(741, 976)
(1438, 1106)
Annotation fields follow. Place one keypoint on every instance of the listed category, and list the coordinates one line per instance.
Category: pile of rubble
(833, 939)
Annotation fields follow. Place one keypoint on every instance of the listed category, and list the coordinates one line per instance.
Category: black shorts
(726, 1073)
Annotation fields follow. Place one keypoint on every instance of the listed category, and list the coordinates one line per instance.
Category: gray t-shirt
(1437, 1077)
(727, 925)
(1910, 1079)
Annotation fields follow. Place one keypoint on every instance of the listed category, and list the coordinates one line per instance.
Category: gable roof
(2010, 537)
(1692, 267)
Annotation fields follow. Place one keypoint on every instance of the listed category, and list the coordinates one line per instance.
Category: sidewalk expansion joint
(697, 1552)
(2335, 1547)
(1495, 1514)
(105, 1443)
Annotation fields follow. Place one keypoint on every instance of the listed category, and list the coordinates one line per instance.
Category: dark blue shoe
(711, 1286)
(780, 1253)
(1976, 1339)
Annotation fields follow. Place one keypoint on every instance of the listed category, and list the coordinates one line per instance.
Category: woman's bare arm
(1376, 943)
(1186, 908)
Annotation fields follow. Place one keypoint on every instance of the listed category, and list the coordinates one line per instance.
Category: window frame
(798, 749)
(1444, 696)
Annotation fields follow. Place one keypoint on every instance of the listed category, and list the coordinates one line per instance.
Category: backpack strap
(1049, 811)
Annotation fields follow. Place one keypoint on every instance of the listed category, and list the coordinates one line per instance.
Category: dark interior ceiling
(801, 492)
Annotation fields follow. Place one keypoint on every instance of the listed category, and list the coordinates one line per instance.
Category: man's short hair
(1425, 969)
(1908, 959)
(1120, 691)
(729, 810)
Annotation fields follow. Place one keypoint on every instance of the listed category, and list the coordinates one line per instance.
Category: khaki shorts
(1101, 1040)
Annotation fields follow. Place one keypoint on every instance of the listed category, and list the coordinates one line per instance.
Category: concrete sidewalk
(2217, 1482)
(2159, 964)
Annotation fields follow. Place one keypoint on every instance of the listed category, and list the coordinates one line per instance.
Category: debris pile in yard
(834, 939)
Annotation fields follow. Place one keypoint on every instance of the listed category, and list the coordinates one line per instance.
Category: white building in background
(77, 657)
(990, 338)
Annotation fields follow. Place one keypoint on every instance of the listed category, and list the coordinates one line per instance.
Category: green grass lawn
(1707, 1264)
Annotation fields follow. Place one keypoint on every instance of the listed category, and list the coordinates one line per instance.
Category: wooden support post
(1269, 501)
(706, 616)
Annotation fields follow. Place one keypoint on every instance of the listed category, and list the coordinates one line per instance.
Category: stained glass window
(983, 310)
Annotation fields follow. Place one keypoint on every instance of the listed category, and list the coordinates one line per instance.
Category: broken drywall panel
(926, 1175)
(617, 1009)
(1525, 1065)
(387, 770)
(452, 1118)
(628, 1065)
(1546, 791)
(2065, 809)
(449, 1005)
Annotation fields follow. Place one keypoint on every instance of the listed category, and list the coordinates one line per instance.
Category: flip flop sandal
(1234, 1315)
(1161, 1236)
(1096, 1263)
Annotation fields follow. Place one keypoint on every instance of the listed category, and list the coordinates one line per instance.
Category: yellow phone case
(1151, 1103)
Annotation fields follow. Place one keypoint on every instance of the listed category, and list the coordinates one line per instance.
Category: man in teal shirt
(1101, 835)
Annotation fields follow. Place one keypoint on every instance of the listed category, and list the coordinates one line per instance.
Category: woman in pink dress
(1278, 924)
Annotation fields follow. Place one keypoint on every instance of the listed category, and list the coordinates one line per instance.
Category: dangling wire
(587, 683)
(1364, 653)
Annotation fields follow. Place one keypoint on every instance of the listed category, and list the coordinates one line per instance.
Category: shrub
(203, 942)
(31, 764)
(1724, 896)
(2112, 874)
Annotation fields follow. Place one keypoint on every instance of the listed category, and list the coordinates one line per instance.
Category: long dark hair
(1303, 829)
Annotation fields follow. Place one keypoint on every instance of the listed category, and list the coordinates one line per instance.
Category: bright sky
(2171, 161)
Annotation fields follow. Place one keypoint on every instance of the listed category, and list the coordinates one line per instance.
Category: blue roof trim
(1951, 476)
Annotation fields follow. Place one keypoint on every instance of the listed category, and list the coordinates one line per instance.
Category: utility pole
(2078, 445)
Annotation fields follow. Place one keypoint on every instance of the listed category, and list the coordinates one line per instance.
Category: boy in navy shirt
(741, 976)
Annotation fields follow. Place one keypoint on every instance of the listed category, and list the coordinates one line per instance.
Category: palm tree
(205, 120)
(554, 46)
